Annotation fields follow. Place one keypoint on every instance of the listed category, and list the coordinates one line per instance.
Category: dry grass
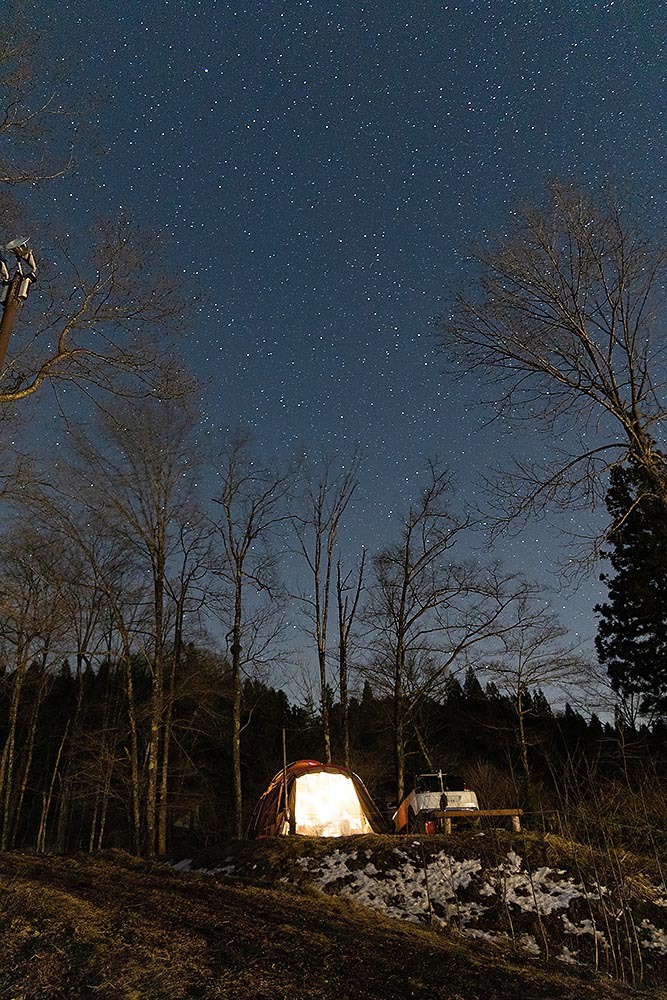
(115, 928)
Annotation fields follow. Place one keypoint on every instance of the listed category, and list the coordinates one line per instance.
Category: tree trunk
(66, 780)
(157, 710)
(236, 712)
(321, 617)
(134, 755)
(47, 797)
(346, 615)
(399, 734)
(65, 809)
(30, 747)
(93, 822)
(106, 795)
(422, 746)
(523, 742)
(168, 719)
(152, 760)
(324, 703)
(163, 801)
(8, 753)
(344, 701)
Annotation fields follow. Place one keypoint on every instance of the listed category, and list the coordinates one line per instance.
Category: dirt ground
(113, 927)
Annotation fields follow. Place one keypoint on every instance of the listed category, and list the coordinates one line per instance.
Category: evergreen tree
(632, 629)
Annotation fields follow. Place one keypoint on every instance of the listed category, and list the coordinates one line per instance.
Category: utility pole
(14, 289)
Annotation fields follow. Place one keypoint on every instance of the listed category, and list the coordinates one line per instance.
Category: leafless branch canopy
(103, 325)
(35, 129)
(564, 326)
(97, 317)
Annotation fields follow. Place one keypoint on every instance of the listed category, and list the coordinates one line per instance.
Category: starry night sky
(323, 168)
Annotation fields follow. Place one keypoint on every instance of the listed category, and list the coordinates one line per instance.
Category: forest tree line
(72, 773)
(136, 546)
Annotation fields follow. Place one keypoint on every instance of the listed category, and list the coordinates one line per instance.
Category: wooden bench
(445, 817)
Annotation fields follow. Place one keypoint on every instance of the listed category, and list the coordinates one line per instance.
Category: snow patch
(655, 939)
(585, 926)
(481, 902)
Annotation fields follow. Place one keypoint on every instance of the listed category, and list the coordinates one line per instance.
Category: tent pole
(287, 815)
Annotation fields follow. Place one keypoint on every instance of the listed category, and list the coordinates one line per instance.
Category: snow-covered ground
(541, 910)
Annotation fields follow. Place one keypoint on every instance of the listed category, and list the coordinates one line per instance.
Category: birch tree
(316, 524)
(252, 501)
(32, 631)
(139, 477)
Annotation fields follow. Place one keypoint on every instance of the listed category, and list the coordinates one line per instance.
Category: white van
(432, 793)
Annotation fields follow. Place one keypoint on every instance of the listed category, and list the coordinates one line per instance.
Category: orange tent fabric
(308, 798)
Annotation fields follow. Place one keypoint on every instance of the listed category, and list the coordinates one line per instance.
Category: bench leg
(516, 824)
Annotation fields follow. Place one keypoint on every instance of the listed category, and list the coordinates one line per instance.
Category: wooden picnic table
(445, 816)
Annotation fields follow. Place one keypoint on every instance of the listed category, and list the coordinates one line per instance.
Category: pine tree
(632, 629)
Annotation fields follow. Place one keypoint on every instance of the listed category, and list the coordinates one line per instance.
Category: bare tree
(252, 501)
(427, 611)
(100, 315)
(187, 587)
(32, 630)
(348, 592)
(534, 654)
(36, 130)
(139, 478)
(84, 608)
(107, 603)
(102, 322)
(316, 525)
(564, 326)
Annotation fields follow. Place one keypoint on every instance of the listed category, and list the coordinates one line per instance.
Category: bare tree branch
(564, 324)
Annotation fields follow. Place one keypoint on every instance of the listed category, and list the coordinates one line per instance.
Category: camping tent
(315, 800)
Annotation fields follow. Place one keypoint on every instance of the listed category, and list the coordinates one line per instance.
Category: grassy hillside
(541, 896)
(116, 928)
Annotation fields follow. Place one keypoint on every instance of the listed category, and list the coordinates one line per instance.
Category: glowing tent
(315, 800)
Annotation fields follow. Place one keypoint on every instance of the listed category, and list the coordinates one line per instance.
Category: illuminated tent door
(315, 800)
(327, 805)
